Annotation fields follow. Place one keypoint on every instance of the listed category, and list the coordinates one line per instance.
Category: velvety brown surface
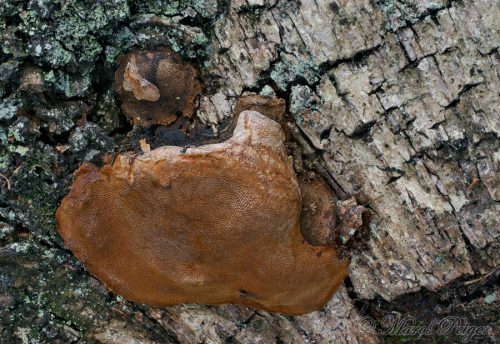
(318, 215)
(213, 224)
(273, 108)
(156, 86)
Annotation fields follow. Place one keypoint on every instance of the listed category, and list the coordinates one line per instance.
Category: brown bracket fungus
(274, 108)
(156, 86)
(213, 224)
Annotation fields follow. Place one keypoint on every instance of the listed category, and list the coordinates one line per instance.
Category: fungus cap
(156, 86)
(274, 108)
(213, 224)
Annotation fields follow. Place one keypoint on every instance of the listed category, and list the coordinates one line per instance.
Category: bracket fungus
(156, 86)
(213, 224)
(274, 108)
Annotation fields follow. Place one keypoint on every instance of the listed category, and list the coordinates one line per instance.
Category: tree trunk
(395, 101)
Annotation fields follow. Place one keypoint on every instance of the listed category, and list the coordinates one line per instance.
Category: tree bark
(395, 102)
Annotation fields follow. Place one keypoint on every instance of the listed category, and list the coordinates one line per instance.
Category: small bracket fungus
(318, 218)
(274, 108)
(218, 223)
(156, 86)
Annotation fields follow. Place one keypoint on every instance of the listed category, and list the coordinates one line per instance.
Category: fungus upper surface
(274, 108)
(156, 86)
(318, 217)
(213, 224)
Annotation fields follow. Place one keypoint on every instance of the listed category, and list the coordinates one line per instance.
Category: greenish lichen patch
(399, 12)
(287, 71)
(38, 192)
(267, 91)
(159, 7)
(9, 107)
(71, 85)
(302, 99)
